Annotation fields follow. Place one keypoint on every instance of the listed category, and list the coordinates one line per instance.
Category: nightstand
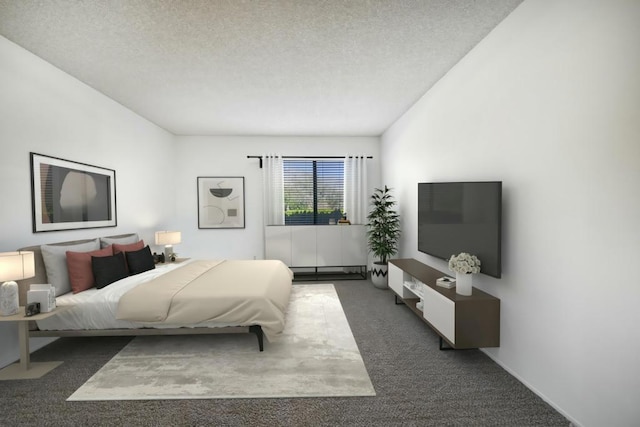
(24, 369)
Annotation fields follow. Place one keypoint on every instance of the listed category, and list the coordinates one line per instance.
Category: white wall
(227, 156)
(548, 103)
(46, 111)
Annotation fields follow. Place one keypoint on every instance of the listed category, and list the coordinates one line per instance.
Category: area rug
(316, 356)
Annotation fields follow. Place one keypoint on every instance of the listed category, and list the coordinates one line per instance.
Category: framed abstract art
(220, 202)
(67, 195)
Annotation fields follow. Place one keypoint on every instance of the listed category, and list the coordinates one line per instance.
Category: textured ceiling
(242, 67)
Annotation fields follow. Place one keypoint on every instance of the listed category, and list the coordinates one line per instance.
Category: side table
(24, 369)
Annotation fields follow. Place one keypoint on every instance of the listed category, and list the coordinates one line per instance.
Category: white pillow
(55, 262)
(126, 240)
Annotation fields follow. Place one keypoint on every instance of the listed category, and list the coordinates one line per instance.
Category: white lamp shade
(16, 266)
(168, 237)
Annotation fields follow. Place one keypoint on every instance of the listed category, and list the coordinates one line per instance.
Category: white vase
(9, 298)
(464, 284)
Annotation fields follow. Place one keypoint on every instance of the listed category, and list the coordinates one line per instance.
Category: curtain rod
(308, 157)
(304, 157)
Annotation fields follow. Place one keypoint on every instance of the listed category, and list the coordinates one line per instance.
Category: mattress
(96, 308)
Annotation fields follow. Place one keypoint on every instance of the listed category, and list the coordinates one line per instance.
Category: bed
(187, 297)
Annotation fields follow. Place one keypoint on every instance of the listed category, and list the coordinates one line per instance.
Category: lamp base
(168, 251)
(9, 304)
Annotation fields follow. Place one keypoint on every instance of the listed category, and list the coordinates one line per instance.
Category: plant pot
(379, 275)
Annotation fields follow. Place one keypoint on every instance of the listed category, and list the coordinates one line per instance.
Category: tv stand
(462, 322)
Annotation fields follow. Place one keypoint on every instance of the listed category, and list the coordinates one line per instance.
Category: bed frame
(41, 277)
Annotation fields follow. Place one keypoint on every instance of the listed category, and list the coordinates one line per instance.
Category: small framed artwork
(220, 202)
(67, 195)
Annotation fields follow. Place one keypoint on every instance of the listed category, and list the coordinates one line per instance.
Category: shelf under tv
(461, 321)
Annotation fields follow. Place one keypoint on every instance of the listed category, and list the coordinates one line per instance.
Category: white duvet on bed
(96, 308)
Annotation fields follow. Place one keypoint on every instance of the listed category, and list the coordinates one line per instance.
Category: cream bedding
(236, 292)
(95, 309)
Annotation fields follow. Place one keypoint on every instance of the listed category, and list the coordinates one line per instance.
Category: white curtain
(273, 189)
(355, 189)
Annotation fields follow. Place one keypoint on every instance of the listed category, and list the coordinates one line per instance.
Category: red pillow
(80, 270)
(117, 248)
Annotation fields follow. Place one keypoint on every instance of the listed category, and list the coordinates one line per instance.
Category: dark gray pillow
(140, 261)
(108, 269)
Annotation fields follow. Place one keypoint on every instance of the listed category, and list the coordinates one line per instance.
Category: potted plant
(383, 233)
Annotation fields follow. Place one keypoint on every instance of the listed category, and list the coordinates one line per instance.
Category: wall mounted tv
(456, 217)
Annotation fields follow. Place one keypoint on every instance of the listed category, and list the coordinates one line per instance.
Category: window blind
(313, 191)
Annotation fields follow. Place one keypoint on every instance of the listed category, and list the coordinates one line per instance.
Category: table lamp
(168, 239)
(13, 266)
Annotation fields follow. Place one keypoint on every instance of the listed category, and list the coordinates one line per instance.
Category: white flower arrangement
(464, 263)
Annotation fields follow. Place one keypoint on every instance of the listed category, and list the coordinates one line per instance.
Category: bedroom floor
(416, 384)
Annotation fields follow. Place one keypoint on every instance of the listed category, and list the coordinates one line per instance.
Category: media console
(460, 321)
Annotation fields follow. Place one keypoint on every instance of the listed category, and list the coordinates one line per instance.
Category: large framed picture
(220, 202)
(68, 195)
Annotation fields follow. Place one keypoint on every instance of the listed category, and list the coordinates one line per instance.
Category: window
(313, 191)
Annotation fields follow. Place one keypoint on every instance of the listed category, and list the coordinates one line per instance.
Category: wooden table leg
(23, 340)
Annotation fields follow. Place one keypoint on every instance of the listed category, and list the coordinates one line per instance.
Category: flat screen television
(456, 217)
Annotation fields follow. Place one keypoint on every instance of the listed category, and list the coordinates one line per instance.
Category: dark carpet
(416, 384)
